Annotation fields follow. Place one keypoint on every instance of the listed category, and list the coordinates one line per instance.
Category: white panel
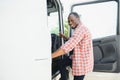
(25, 45)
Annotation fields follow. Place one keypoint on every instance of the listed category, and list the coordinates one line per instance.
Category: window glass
(100, 18)
(53, 23)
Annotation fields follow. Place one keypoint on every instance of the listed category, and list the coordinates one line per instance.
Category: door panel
(105, 54)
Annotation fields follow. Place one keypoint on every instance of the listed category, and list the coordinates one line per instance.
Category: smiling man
(81, 42)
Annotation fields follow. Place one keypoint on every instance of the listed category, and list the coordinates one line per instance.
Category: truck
(29, 33)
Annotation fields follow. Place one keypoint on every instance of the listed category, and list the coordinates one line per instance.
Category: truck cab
(29, 33)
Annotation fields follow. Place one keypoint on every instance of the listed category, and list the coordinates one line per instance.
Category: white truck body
(25, 45)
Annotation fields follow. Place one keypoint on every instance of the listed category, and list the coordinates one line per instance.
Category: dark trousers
(79, 77)
(63, 64)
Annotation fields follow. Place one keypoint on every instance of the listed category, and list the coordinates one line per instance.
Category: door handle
(41, 59)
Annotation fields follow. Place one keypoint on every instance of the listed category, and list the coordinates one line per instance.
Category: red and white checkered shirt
(82, 58)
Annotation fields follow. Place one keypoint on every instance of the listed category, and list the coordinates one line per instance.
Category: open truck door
(101, 17)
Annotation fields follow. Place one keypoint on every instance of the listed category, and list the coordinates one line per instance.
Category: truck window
(53, 23)
(100, 18)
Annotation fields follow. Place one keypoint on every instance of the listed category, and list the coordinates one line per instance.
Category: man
(81, 42)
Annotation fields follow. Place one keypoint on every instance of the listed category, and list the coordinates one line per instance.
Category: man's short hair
(75, 14)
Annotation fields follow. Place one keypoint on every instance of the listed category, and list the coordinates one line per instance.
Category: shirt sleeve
(74, 40)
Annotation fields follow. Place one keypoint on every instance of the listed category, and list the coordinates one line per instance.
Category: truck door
(101, 17)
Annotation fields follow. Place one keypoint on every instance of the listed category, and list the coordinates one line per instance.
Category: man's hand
(57, 53)
(63, 36)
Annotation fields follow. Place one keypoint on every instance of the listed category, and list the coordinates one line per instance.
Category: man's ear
(78, 20)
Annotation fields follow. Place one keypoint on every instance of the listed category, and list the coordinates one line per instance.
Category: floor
(102, 76)
(96, 76)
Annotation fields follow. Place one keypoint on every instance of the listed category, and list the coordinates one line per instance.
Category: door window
(100, 18)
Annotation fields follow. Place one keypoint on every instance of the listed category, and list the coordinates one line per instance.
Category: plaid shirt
(82, 59)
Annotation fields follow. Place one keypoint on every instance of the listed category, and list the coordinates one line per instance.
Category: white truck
(25, 36)
(25, 41)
